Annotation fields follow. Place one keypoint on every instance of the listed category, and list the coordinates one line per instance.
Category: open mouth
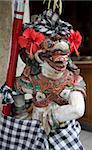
(55, 60)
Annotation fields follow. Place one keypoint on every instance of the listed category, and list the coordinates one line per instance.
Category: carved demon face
(54, 54)
(51, 59)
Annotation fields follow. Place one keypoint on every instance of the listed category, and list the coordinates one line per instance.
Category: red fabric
(75, 40)
(17, 28)
(6, 109)
(11, 72)
(31, 40)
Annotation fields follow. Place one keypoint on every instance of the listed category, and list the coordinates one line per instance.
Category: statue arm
(74, 110)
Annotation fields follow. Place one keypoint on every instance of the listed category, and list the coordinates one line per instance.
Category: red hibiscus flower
(75, 40)
(31, 40)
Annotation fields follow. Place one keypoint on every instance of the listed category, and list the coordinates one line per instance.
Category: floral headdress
(48, 25)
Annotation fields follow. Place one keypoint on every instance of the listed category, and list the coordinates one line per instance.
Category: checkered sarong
(66, 137)
(28, 135)
(21, 135)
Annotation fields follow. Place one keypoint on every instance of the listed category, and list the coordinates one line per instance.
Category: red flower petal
(75, 41)
(31, 40)
(34, 35)
(22, 42)
(39, 38)
(27, 33)
(33, 49)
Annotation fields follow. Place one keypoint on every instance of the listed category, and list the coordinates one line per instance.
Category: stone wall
(5, 33)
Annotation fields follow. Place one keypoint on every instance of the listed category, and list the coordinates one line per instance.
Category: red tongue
(58, 68)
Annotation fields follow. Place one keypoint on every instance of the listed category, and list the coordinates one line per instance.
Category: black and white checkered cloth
(28, 135)
(67, 137)
(21, 135)
(8, 94)
(50, 24)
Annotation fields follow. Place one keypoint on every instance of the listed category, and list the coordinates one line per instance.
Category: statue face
(56, 56)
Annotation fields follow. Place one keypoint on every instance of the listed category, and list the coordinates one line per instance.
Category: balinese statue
(50, 88)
